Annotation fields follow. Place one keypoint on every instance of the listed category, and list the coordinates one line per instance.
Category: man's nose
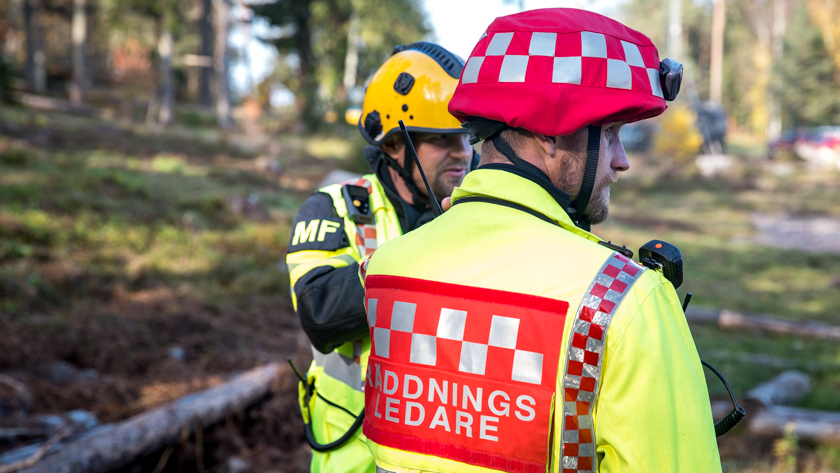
(459, 147)
(619, 161)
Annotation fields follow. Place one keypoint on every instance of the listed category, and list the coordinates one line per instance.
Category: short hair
(516, 138)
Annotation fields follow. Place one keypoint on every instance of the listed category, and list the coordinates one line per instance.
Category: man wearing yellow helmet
(342, 223)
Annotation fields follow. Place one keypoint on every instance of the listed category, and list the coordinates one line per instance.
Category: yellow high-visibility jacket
(323, 260)
(504, 338)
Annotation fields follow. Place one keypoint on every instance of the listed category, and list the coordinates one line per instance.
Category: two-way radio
(666, 258)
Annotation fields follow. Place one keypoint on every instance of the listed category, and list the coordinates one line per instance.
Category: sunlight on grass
(325, 147)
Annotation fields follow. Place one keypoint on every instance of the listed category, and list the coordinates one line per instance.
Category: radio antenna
(409, 149)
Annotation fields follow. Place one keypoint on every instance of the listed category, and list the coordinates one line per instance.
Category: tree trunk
(36, 74)
(774, 126)
(307, 99)
(351, 61)
(165, 114)
(79, 36)
(675, 30)
(246, 41)
(220, 64)
(205, 27)
(3, 16)
(716, 62)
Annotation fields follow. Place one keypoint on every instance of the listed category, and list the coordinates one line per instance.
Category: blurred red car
(820, 145)
(783, 146)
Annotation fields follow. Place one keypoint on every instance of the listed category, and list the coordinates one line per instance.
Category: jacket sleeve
(653, 413)
(323, 267)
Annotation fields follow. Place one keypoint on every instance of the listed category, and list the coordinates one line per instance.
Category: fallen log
(738, 321)
(807, 424)
(152, 430)
(783, 389)
(38, 454)
(48, 103)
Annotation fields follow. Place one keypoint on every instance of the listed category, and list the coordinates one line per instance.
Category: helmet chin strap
(593, 152)
(577, 208)
(417, 197)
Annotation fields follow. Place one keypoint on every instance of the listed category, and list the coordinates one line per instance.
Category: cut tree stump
(154, 429)
(737, 321)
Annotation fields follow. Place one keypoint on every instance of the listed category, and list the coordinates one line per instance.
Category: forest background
(147, 193)
(772, 64)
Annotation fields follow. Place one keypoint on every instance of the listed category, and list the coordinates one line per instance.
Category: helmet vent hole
(405, 107)
(411, 117)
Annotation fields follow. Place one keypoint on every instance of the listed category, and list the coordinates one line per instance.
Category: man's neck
(525, 153)
(401, 188)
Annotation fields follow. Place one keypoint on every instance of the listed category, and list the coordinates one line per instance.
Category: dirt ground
(128, 374)
(87, 325)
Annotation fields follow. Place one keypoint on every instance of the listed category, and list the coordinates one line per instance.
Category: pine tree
(807, 76)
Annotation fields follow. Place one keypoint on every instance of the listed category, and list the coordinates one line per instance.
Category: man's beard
(598, 209)
(443, 184)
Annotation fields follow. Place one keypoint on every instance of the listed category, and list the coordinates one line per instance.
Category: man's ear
(547, 143)
(394, 147)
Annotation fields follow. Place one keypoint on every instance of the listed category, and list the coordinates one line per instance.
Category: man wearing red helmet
(506, 336)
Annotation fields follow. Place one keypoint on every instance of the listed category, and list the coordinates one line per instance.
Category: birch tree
(79, 39)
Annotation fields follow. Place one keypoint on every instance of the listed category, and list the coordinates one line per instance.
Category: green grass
(709, 219)
(76, 218)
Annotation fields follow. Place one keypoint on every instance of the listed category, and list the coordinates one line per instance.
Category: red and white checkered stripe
(365, 234)
(584, 358)
(366, 239)
(448, 341)
(581, 58)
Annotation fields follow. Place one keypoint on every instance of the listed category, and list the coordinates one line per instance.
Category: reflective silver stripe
(382, 470)
(584, 355)
(318, 357)
(346, 258)
(340, 367)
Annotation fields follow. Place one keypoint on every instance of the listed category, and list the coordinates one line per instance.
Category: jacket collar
(409, 216)
(502, 184)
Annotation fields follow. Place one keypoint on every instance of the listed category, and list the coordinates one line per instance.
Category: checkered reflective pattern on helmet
(583, 58)
(584, 357)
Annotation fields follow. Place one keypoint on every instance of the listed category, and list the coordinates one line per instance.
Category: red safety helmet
(556, 70)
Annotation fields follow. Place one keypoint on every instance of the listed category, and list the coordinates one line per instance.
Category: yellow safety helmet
(414, 85)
